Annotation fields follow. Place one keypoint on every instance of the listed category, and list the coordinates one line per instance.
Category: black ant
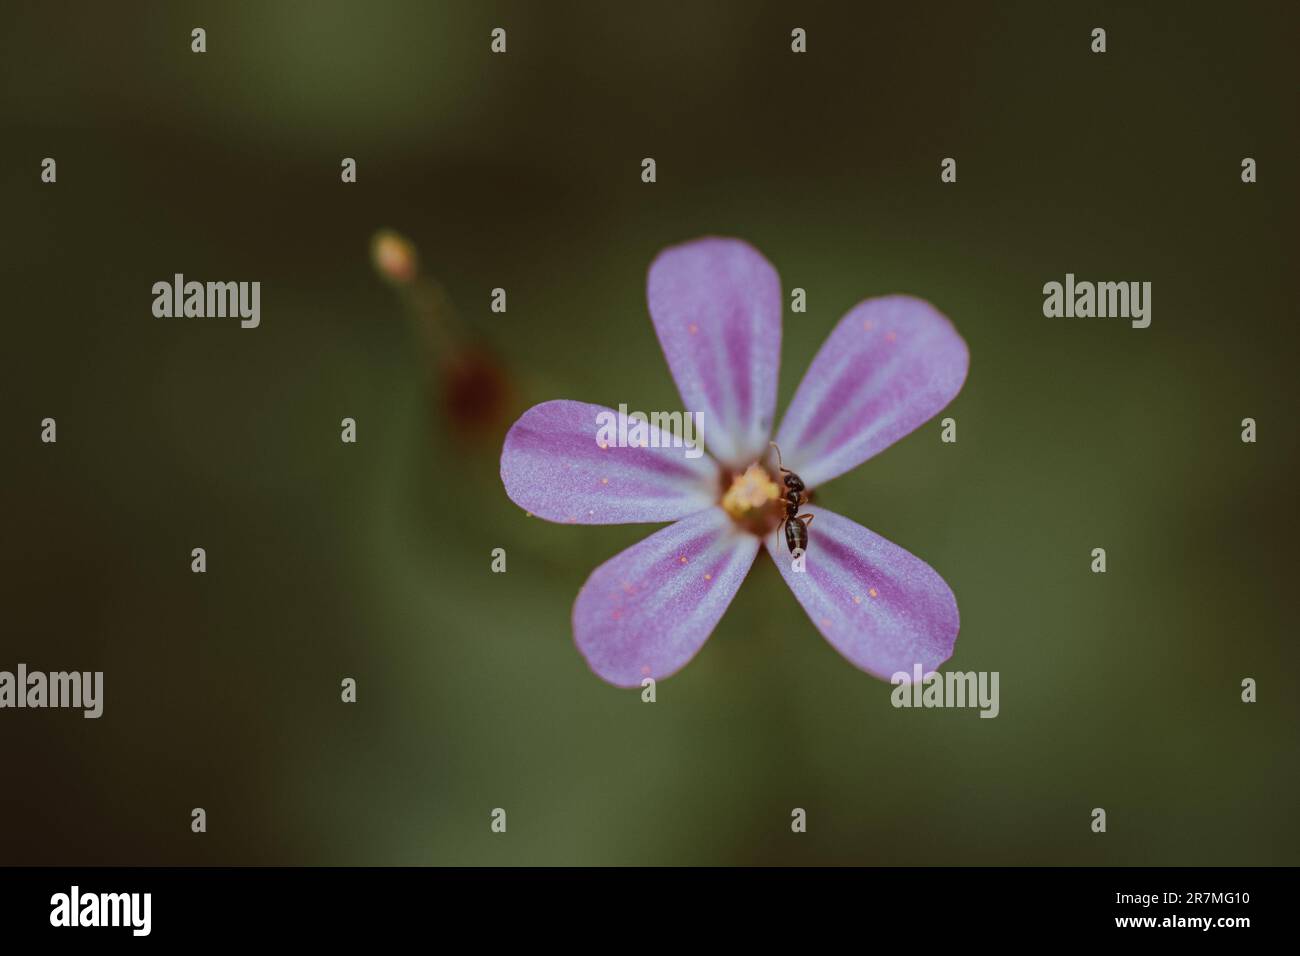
(796, 525)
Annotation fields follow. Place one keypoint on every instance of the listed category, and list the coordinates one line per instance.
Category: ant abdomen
(796, 535)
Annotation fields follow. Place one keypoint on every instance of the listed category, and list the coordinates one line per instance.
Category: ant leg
(807, 519)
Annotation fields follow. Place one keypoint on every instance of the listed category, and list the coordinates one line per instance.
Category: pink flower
(889, 366)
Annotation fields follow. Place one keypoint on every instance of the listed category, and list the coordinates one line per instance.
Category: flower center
(753, 499)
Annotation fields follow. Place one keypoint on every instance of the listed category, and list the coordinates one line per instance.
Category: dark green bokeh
(522, 171)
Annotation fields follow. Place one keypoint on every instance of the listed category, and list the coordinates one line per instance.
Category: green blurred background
(522, 171)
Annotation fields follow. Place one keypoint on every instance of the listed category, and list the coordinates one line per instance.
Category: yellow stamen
(750, 492)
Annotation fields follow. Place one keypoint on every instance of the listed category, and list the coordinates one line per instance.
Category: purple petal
(647, 611)
(716, 305)
(889, 366)
(553, 466)
(881, 607)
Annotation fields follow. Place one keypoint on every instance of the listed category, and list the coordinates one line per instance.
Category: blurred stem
(435, 318)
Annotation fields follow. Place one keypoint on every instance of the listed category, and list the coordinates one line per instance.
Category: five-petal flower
(890, 365)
